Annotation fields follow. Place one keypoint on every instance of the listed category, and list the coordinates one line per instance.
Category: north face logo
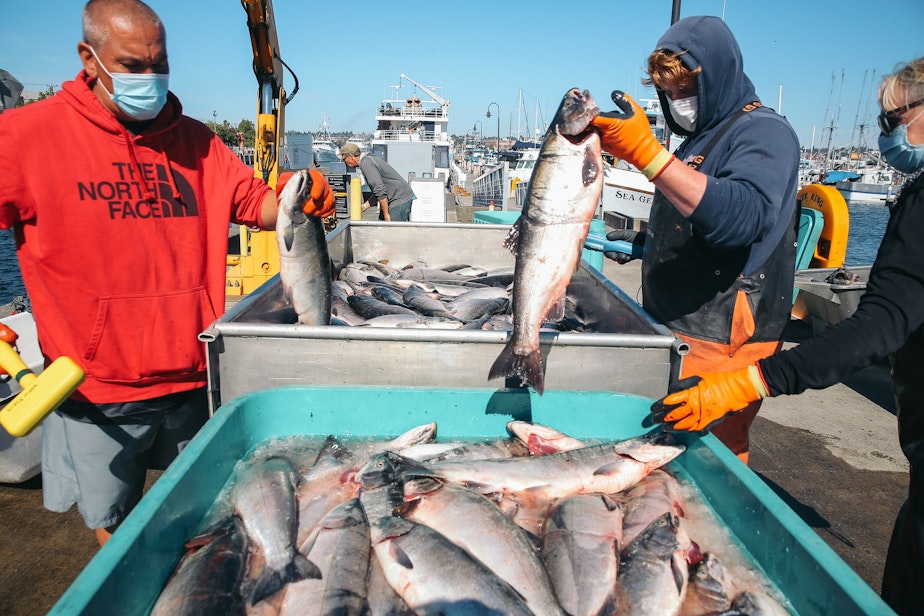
(124, 197)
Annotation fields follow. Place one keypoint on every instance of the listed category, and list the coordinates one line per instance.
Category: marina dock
(831, 455)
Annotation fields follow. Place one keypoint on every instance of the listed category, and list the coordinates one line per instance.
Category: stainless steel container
(829, 303)
(629, 352)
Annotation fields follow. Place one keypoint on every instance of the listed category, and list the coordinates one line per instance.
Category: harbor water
(10, 280)
(867, 224)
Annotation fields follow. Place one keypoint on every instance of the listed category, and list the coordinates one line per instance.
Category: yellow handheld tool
(40, 394)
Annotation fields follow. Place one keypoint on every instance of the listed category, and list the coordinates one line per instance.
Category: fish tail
(272, 581)
(527, 367)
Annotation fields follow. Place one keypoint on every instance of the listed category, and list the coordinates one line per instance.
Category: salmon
(304, 262)
(548, 236)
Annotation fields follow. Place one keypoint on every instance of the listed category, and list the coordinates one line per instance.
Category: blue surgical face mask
(683, 110)
(140, 96)
(898, 152)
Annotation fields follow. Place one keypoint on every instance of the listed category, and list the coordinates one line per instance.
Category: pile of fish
(418, 295)
(537, 523)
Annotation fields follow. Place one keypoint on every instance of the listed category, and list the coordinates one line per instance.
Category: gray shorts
(100, 462)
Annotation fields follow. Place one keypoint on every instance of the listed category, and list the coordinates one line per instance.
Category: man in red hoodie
(120, 207)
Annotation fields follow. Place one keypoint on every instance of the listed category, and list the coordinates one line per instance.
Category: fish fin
(303, 569)
(272, 581)
(513, 236)
(207, 536)
(609, 606)
(608, 502)
(400, 556)
(556, 310)
(613, 468)
(288, 236)
(591, 169)
(527, 367)
(308, 543)
(680, 572)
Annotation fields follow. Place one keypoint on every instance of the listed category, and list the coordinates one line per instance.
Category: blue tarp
(839, 176)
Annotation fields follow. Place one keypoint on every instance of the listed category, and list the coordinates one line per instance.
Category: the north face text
(124, 195)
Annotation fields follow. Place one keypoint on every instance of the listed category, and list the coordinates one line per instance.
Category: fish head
(661, 536)
(572, 120)
(379, 471)
(294, 194)
(424, 433)
(654, 449)
(385, 468)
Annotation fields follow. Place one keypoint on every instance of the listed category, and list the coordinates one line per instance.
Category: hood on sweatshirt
(722, 86)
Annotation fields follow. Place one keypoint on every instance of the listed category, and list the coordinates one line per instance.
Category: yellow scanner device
(40, 394)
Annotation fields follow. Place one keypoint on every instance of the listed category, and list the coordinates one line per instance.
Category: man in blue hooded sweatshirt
(719, 256)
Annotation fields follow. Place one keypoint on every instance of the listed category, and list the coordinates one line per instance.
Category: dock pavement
(831, 455)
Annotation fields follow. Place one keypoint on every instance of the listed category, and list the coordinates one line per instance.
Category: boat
(871, 185)
(362, 144)
(627, 194)
(412, 133)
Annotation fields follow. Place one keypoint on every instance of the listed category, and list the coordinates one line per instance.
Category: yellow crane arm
(271, 100)
(259, 256)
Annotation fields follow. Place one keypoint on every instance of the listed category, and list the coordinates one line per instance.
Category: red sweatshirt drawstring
(170, 179)
(147, 193)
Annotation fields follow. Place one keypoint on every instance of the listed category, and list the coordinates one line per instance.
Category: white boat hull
(862, 191)
(627, 192)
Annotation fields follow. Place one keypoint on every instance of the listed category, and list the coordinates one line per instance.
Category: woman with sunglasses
(888, 322)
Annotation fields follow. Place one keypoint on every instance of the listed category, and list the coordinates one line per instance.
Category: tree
(232, 135)
(46, 93)
(248, 130)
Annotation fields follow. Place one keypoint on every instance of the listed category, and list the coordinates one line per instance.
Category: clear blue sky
(346, 54)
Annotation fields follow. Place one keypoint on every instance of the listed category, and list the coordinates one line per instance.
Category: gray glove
(627, 235)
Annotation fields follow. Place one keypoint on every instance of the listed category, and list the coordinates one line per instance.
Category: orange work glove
(699, 401)
(320, 201)
(626, 134)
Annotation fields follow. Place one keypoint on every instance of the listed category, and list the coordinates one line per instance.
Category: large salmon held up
(548, 237)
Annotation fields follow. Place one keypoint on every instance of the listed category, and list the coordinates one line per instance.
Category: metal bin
(629, 352)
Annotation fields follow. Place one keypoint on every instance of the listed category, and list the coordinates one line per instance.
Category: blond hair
(665, 69)
(904, 86)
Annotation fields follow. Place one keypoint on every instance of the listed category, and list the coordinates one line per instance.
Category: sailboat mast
(856, 121)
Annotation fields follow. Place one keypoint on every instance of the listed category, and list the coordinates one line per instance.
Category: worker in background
(393, 194)
(888, 322)
(121, 234)
(719, 251)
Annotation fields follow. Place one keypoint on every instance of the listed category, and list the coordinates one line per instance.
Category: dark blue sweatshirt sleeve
(753, 189)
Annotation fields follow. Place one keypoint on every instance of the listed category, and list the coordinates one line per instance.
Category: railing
(413, 135)
(413, 112)
(492, 188)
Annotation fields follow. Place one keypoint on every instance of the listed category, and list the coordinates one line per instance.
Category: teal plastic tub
(128, 573)
(593, 257)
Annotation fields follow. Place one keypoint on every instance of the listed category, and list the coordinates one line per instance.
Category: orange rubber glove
(626, 134)
(700, 401)
(320, 201)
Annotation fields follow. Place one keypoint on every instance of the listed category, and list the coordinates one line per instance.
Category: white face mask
(683, 110)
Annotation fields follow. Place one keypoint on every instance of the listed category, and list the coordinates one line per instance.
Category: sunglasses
(889, 120)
